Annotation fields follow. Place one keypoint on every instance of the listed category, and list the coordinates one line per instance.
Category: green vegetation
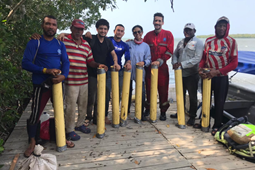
(19, 20)
(231, 35)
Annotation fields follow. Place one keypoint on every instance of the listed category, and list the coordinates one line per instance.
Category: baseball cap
(223, 18)
(190, 26)
(78, 23)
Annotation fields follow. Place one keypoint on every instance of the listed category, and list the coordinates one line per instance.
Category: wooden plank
(134, 162)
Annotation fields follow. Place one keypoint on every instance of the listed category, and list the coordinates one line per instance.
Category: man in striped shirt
(80, 55)
(220, 56)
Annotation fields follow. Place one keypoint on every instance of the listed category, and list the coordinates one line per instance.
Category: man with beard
(161, 43)
(101, 47)
(121, 48)
(187, 55)
(220, 56)
(45, 58)
(80, 55)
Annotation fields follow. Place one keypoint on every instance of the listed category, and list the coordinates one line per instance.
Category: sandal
(69, 144)
(214, 130)
(197, 126)
(83, 129)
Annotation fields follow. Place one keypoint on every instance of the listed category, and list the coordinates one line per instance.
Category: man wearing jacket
(220, 56)
(187, 55)
(45, 58)
(161, 44)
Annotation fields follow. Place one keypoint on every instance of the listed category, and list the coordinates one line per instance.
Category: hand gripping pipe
(206, 96)
(138, 94)
(115, 98)
(59, 117)
(101, 94)
(125, 96)
(179, 98)
(154, 90)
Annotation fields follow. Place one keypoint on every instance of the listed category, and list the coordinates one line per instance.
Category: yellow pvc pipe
(206, 104)
(115, 98)
(154, 90)
(179, 98)
(59, 117)
(138, 94)
(101, 93)
(125, 97)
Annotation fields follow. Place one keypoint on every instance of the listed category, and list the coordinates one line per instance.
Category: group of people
(74, 59)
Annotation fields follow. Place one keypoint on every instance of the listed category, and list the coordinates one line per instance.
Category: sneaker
(147, 112)
(162, 116)
(72, 136)
(83, 129)
(191, 121)
(174, 116)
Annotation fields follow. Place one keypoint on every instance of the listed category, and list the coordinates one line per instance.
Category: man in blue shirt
(121, 48)
(45, 58)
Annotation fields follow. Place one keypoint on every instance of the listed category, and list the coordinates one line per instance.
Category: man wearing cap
(220, 56)
(187, 55)
(161, 44)
(80, 55)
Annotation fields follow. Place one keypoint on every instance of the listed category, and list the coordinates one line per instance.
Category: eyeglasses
(139, 32)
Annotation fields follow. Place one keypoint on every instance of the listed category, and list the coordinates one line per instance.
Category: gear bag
(247, 150)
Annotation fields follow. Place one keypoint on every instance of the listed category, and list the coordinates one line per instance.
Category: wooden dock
(148, 146)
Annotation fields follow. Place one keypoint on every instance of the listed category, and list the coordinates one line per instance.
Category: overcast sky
(203, 13)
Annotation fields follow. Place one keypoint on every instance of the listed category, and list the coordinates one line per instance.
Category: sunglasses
(139, 32)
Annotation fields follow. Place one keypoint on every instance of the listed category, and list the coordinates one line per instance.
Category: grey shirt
(189, 56)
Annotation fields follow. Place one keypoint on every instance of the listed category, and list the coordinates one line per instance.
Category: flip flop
(69, 144)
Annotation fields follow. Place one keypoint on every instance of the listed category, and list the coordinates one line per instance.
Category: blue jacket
(51, 54)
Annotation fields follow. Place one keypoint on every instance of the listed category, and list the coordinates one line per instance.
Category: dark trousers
(92, 99)
(39, 100)
(220, 88)
(130, 96)
(190, 83)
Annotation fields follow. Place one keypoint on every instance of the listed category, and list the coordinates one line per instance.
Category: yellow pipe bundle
(115, 98)
(154, 90)
(138, 94)
(125, 96)
(179, 98)
(101, 94)
(57, 92)
(206, 104)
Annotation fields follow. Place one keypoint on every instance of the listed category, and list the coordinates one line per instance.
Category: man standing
(121, 48)
(187, 55)
(44, 58)
(80, 55)
(101, 48)
(161, 43)
(220, 56)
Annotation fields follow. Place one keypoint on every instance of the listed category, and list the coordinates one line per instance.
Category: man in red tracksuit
(161, 43)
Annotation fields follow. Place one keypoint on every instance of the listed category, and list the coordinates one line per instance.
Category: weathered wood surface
(148, 146)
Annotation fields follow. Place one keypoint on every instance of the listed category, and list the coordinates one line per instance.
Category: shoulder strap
(36, 51)
(92, 41)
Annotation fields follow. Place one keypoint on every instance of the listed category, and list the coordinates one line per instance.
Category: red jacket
(161, 45)
(220, 54)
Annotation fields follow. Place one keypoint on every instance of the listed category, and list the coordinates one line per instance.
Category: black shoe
(147, 112)
(174, 116)
(162, 116)
(143, 118)
(191, 121)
